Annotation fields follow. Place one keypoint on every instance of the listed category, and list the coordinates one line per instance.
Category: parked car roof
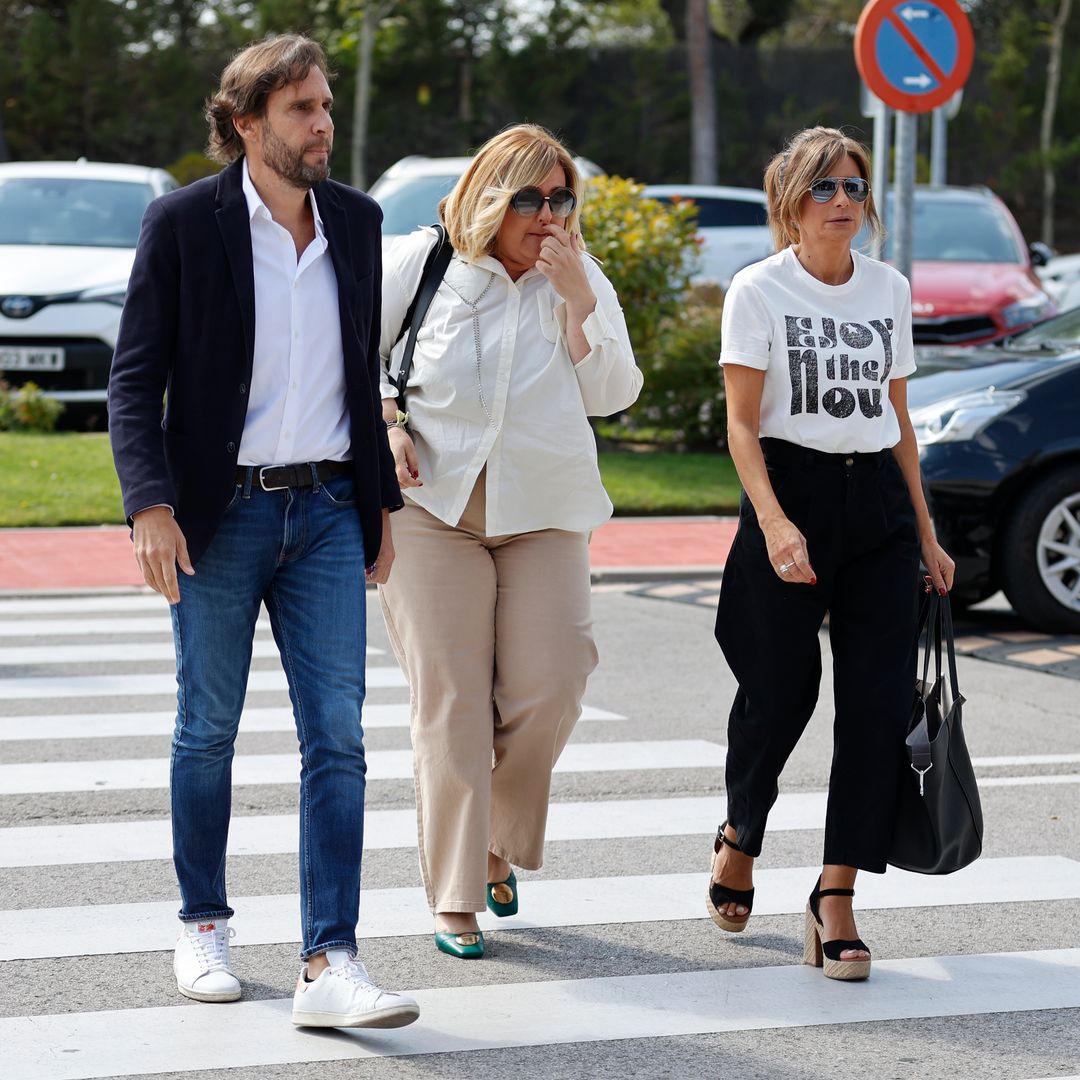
(732, 226)
(410, 190)
(86, 170)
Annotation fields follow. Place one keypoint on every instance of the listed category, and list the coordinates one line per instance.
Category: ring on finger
(785, 567)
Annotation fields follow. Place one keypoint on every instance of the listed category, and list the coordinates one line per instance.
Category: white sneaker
(344, 996)
(201, 961)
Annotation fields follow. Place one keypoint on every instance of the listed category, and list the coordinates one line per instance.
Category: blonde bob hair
(810, 155)
(518, 157)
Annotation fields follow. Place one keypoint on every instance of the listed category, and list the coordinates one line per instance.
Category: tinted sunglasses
(530, 200)
(824, 189)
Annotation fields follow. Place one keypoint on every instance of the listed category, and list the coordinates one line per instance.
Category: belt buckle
(262, 482)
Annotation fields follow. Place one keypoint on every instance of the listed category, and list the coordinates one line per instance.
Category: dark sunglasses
(824, 189)
(530, 200)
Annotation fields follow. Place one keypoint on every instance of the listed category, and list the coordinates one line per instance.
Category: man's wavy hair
(252, 75)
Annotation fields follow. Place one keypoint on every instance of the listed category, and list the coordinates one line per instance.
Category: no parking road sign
(914, 54)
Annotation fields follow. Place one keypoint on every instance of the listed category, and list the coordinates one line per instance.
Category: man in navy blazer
(245, 419)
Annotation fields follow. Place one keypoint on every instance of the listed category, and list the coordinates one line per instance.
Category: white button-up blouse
(521, 408)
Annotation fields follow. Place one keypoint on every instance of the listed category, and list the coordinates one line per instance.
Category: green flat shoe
(468, 946)
(502, 897)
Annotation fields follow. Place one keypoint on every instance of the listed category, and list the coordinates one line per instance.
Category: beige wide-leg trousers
(495, 637)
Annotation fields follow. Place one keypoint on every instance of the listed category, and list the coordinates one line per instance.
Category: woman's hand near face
(405, 462)
(560, 262)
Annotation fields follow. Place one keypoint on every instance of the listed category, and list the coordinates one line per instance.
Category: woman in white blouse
(488, 606)
(816, 349)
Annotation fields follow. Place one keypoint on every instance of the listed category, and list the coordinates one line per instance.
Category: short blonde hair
(518, 157)
(810, 155)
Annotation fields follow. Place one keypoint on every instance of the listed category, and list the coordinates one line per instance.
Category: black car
(999, 440)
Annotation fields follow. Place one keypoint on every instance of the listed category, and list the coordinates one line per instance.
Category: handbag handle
(950, 644)
(435, 265)
(937, 620)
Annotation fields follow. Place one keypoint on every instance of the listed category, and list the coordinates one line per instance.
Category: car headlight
(105, 294)
(961, 418)
(1027, 310)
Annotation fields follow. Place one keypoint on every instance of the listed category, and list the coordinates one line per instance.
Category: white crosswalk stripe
(79, 605)
(20, 655)
(513, 1010)
(134, 626)
(271, 920)
(150, 724)
(381, 765)
(124, 1042)
(88, 686)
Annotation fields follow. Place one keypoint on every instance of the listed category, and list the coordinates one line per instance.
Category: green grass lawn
(68, 479)
(666, 483)
(61, 479)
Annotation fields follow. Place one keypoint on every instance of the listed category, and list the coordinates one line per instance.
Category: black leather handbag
(939, 823)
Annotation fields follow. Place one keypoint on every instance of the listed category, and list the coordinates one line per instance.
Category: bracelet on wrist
(401, 420)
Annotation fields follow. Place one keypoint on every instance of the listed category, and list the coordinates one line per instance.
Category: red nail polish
(813, 581)
(943, 591)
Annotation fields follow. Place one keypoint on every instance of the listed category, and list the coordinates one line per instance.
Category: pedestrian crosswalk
(128, 1041)
(103, 929)
(77, 733)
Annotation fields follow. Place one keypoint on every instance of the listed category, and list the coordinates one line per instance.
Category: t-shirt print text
(814, 357)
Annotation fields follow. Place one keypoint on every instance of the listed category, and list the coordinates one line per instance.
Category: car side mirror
(1041, 253)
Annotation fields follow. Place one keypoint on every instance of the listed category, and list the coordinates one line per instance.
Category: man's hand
(159, 547)
(379, 571)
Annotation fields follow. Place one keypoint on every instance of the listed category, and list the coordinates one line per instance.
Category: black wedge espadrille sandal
(720, 894)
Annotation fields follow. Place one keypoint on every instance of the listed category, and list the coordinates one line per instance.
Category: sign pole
(939, 126)
(879, 181)
(907, 127)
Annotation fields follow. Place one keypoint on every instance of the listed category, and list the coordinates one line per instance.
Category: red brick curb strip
(53, 560)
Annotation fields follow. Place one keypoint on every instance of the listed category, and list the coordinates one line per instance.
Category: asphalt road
(977, 975)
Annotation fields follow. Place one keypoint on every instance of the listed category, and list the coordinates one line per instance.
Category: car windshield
(951, 230)
(1062, 332)
(72, 212)
(411, 201)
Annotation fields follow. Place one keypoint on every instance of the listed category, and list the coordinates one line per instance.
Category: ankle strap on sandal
(722, 839)
(835, 892)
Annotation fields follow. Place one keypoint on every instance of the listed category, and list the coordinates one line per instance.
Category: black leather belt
(279, 477)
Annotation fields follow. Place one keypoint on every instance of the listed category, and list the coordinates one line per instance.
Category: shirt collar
(257, 208)
(489, 262)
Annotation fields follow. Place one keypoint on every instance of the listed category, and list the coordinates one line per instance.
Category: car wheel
(1041, 553)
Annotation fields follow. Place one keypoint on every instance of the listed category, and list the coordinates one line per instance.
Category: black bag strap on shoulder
(434, 269)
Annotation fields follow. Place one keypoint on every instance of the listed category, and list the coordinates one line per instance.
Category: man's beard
(289, 164)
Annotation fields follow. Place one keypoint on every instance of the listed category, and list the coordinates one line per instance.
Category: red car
(973, 277)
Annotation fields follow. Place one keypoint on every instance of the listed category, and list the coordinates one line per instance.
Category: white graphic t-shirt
(828, 351)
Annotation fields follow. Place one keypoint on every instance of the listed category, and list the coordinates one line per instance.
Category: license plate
(27, 358)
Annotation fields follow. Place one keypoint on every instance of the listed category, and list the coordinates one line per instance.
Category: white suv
(409, 191)
(731, 224)
(68, 232)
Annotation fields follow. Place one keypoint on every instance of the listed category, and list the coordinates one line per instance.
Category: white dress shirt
(296, 401)
(522, 411)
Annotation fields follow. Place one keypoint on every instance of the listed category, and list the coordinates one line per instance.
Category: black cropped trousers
(856, 515)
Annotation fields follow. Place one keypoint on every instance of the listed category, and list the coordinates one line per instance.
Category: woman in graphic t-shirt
(816, 352)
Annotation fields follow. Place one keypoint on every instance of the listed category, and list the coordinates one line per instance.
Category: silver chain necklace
(473, 307)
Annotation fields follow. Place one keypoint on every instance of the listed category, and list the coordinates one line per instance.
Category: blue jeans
(301, 551)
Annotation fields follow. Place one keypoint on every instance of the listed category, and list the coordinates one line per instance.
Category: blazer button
(243, 388)
(231, 448)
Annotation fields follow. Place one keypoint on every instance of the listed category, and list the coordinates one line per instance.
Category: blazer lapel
(235, 227)
(340, 243)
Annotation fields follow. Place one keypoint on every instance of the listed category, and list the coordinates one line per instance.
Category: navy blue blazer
(188, 335)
